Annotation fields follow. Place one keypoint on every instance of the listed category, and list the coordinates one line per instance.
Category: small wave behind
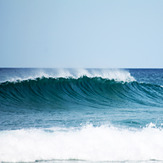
(104, 143)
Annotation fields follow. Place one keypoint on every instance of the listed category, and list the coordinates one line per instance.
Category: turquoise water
(81, 115)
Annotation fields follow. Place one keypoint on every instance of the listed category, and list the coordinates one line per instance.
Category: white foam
(89, 143)
(116, 74)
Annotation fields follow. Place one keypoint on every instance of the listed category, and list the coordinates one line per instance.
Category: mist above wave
(32, 74)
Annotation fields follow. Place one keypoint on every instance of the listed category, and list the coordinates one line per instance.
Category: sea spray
(31, 74)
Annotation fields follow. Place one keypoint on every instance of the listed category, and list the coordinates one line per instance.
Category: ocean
(81, 115)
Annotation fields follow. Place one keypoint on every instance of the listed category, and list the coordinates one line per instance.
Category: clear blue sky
(81, 33)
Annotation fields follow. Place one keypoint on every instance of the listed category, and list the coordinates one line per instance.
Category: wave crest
(111, 74)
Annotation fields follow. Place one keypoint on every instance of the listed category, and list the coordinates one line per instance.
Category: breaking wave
(89, 91)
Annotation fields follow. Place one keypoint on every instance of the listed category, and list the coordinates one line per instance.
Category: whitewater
(81, 115)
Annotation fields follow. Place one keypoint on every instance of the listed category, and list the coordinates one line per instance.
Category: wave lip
(111, 74)
(88, 143)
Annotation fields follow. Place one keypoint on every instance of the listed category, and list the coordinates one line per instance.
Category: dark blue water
(81, 114)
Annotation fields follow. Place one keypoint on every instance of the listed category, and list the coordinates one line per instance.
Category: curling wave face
(93, 92)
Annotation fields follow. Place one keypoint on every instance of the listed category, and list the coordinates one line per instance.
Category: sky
(81, 33)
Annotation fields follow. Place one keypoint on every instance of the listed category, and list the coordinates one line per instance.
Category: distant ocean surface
(81, 115)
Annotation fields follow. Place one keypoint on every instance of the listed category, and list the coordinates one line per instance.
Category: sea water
(81, 115)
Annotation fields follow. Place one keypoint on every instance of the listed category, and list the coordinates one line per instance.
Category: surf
(88, 143)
